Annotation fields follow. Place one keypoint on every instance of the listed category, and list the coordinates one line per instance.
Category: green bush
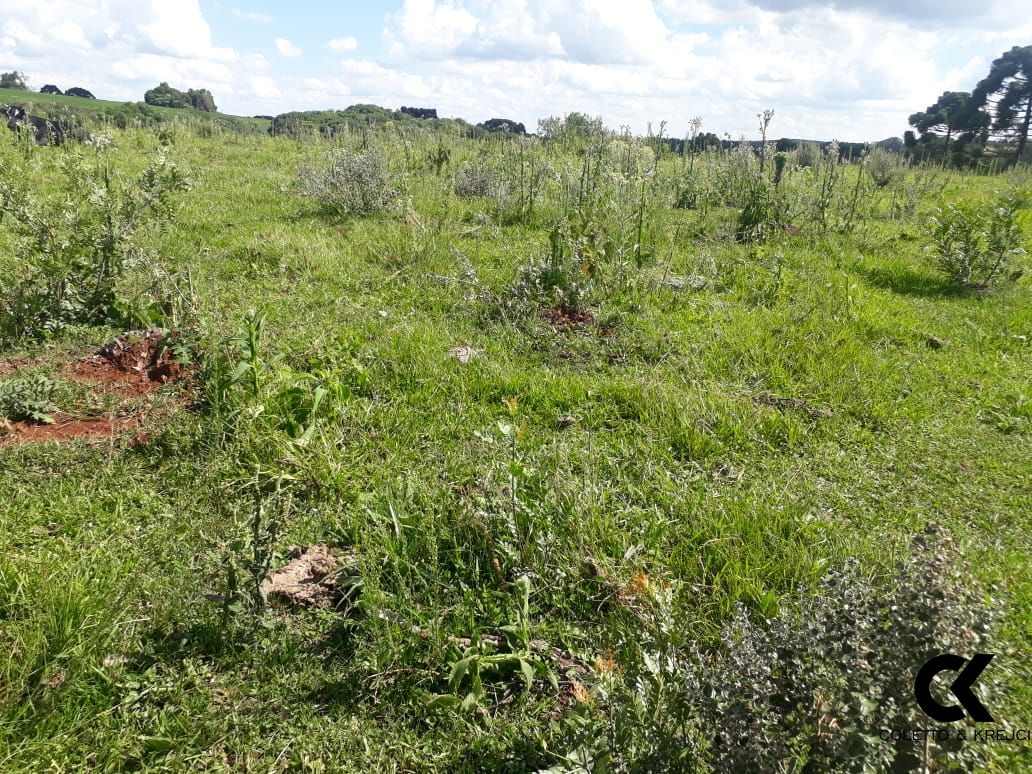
(76, 247)
(973, 244)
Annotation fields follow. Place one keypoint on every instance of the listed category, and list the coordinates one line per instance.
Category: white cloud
(118, 48)
(370, 79)
(430, 29)
(347, 43)
(829, 68)
(847, 68)
(286, 48)
(264, 87)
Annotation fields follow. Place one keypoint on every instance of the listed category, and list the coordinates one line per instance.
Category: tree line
(19, 82)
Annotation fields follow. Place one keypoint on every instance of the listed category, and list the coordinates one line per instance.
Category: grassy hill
(122, 114)
(631, 462)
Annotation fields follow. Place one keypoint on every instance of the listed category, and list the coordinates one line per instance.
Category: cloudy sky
(846, 69)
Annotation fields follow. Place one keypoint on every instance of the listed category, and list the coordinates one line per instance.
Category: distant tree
(954, 113)
(50, 89)
(503, 125)
(1007, 94)
(78, 91)
(164, 95)
(574, 125)
(202, 99)
(14, 80)
(419, 112)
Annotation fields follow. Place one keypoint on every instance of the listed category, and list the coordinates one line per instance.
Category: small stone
(464, 353)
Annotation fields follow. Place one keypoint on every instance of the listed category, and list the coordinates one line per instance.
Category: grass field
(694, 425)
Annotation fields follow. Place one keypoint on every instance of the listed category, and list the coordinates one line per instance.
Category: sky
(846, 69)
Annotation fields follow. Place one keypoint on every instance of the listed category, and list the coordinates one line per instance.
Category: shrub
(562, 279)
(972, 244)
(353, 183)
(75, 248)
(884, 167)
(473, 180)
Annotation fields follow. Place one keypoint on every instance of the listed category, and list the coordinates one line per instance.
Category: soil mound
(141, 358)
(311, 579)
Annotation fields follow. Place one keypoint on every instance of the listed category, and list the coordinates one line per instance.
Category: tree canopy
(164, 95)
(1006, 93)
(954, 114)
(14, 80)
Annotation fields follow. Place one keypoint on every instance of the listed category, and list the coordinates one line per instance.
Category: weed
(884, 167)
(476, 180)
(563, 278)
(484, 660)
(809, 688)
(351, 183)
(973, 244)
(75, 250)
(28, 398)
(764, 214)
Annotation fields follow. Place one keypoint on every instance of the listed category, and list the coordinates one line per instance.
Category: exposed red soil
(67, 428)
(134, 364)
(559, 317)
(139, 363)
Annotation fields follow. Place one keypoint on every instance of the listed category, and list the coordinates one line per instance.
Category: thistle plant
(351, 183)
(76, 249)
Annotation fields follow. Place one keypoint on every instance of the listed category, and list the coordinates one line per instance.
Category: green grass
(677, 467)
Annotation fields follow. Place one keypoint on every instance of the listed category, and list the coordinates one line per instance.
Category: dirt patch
(66, 428)
(134, 364)
(558, 317)
(311, 579)
(138, 361)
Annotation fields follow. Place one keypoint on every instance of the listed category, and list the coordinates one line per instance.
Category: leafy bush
(815, 685)
(76, 247)
(29, 398)
(972, 244)
(353, 183)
